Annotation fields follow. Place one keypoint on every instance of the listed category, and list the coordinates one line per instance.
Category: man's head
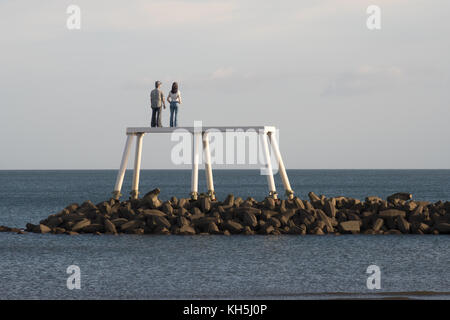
(157, 84)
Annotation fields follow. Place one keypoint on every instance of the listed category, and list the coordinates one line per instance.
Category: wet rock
(72, 207)
(318, 231)
(269, 203)
(205, 204)
(410, 206)
(131, 225)
(151, 200)
(286, 216)
(274, 222)
(81, 224)
(391, 213)
(238, 201)
(308, 206)
(403, 225)
(183, 203)
(393, 231)
(110, 227)
(186, 230)
(119, 221)
(305, 218)
(53, 222)
(229, 201)
(212, 228)
(373, 199)
(167, 208)
(162, 222)
(174, 201)
(159, 230)
(313, 197)
(399, 196)
(239, 211)
(182, 221)
(4, 229)
(377, 224)
(249, 219)
(126, 212)
(269, 229)
(93, 228)
(233, 226)
(330, 209)
(59, 230)
(149, 213)
(349, 226)
(443, 228)
(248, 231)
(104, 207)
(298, 203)
(267, 214)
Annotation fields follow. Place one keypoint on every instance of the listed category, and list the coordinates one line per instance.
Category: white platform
(258, 129)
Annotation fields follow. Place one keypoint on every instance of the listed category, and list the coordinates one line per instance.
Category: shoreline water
(157, 267)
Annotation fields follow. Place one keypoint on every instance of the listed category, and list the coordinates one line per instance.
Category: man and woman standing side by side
(158, 102)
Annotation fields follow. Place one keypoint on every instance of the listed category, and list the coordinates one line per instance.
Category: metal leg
(268, 165)
(123, 167)
(208, 168)
(282, 169)
(137, 167)
(196, 136)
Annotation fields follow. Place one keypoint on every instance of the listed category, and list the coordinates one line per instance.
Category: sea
(40, 266)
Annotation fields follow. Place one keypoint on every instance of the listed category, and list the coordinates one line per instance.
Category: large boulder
(205, 204)
(81, 224)
(443, 227)
(399, 196)
(378, 223)
(249, 219)
(131, 225)
(403, 225)
(269, 203)
(352, 226)
(186, 230)
(151, 200)
(110, 227)
(391, 213)
(93, 228)
(233, 226)
(330, 209)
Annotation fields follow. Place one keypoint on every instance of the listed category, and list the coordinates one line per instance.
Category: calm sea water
(34, 266)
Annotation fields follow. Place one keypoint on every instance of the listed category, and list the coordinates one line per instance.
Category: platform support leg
(268, 165)
(137, 166)
(123, 168)
(281, 167)
(208, 167)
(196, 136)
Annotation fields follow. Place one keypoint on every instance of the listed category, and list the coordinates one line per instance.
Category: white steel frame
(201, 138)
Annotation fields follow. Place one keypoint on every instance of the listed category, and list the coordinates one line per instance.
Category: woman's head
(174, 87)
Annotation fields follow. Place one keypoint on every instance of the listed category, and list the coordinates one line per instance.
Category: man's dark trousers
(156, 117)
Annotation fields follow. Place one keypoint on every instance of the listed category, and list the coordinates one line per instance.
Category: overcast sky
(342, 96)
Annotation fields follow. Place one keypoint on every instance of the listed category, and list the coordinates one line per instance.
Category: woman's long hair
(174, 87)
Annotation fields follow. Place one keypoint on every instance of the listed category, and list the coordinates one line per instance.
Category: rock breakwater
(398, 214)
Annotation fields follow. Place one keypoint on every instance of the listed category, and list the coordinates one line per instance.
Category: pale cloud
(365, 78)
(222, 73)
